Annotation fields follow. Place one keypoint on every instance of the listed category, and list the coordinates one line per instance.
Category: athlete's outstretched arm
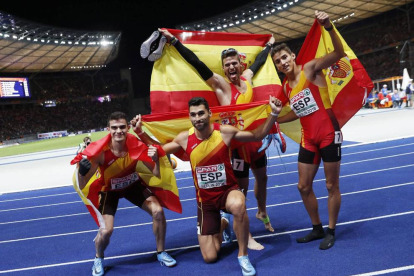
(288, 117)
(316, 65)
(215, 81)
(259, 61)
(259, 133)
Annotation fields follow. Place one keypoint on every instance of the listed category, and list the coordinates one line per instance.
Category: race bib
(123, 182)
(338, 137)
(238, 164)
(303, 103)
(211, 176)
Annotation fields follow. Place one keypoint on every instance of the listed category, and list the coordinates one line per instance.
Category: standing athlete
(208, 146)
(307, 91)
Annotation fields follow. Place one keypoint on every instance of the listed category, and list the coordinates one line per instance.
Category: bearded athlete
(208, 144)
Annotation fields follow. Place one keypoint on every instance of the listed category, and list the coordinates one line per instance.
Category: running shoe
(266, 142)
(165, 259)
(158, 52)
(149, 44)
(279, 138)
(227, 231)
(246, 266)
(98, 268)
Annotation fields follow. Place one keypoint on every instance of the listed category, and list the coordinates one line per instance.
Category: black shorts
(134, 193)
(208, 214)
(330, 153)
(241, 168)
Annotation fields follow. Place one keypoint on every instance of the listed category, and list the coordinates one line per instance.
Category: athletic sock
(330, 231)
(316, 234)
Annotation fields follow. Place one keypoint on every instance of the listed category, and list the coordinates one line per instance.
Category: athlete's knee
(157, 212)
(106, 233)
(332, 186)
(304, 189)
(210, 257)
(237, 206)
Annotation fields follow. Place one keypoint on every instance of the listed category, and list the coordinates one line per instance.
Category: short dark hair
(281, 47)
(196, 101)
(117, 115)
(86, 138)
(230, 52)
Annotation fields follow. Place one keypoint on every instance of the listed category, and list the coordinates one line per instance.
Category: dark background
(135, 19)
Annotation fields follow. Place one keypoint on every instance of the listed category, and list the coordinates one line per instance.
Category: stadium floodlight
(104, 42)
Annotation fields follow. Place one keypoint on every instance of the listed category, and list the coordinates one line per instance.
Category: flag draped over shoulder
(164, 188)
(166, 126)
(174, 82)
(348, 82)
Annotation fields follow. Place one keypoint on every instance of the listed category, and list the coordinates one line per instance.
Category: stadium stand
(382, 49)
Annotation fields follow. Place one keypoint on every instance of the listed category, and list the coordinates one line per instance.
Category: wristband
(142, 132)
(329, 28)
(274, 114)
(173, 40)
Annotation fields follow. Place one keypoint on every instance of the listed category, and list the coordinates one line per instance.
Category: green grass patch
(51, 144)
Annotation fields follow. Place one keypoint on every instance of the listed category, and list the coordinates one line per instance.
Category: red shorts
(208, 214)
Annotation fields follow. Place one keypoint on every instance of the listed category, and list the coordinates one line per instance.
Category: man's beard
(200, 125)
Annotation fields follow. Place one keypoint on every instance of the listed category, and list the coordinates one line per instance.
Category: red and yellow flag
(164, 188)
(174, 82)
(348, 82)
(166, 126)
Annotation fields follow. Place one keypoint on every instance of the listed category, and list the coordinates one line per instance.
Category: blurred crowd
(377, 41)
(70, 116)
(58, 87)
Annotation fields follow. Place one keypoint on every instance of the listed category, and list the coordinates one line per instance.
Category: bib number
(238, 164)
(123, 182)
(303, 103)
(338, 137)
(211, 176)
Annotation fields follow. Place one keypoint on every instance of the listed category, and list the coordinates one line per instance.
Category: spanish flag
(166, 126)
(174, 82)
(348, 82)
(164, 188)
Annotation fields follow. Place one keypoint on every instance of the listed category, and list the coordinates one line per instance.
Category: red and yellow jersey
(313, 107)
(118, 172)
(241, 98)
(248, 151)
(210, 165)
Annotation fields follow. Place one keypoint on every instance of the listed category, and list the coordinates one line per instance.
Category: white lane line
(185, 178)
(40, 206)
(36, 197)
(386, 271)
(195, 246)
(186, 218)
(183, 200)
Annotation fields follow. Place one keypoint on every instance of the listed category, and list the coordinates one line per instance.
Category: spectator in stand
(409, 91)
(384, 90)
(370, 99)
(396, 101)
